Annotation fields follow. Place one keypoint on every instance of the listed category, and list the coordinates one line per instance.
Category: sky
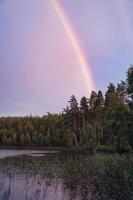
(39, 68)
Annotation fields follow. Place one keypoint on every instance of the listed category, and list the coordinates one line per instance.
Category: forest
(102, 121)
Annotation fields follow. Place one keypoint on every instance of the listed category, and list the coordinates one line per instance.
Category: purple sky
(38, 66)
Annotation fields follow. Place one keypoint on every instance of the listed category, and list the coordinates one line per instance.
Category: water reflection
(26, 187)
(66, 177)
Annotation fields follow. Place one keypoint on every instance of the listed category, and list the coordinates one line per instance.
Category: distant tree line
(94, 122)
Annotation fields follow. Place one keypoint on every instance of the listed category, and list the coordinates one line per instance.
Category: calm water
(44, 175)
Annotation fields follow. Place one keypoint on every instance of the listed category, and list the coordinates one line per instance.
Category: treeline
(94, 122)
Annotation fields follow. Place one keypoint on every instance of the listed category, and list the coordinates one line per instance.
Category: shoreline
(67, 149)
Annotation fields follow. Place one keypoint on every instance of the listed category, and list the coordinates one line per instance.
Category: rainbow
(75, 43)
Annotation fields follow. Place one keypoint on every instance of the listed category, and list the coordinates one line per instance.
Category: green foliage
(100, 100)
(84, 107)
(111, 97)
(33, 131)
(130, 86)
(122, 144)
(73, 104)
(130, 81)
(122, 91)
(88, 138)
(93, 100)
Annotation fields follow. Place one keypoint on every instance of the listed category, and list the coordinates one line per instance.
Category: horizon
(39, 66)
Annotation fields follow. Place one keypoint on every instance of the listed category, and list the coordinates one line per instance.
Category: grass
(106, 176)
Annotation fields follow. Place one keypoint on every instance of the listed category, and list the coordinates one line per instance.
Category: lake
(65, 175)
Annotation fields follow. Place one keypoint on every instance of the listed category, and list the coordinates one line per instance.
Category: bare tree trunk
(75, 139)
(75, 133)
(75, 127)
(83, 120)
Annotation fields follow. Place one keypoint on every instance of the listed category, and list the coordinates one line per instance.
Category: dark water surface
(44, 175)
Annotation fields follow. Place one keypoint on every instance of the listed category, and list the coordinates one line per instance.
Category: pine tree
(75, 112)
(84, 108)
(111, 97)
(122, 91)
(130, 85)
(93, 101)
(100, 100)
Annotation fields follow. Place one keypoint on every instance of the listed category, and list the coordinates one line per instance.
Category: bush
(87, 139)
(122, 145)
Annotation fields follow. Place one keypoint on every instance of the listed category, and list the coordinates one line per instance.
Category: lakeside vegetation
(83, 176)
(98, 122)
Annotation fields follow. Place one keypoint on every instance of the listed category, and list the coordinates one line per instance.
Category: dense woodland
(100, 121)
